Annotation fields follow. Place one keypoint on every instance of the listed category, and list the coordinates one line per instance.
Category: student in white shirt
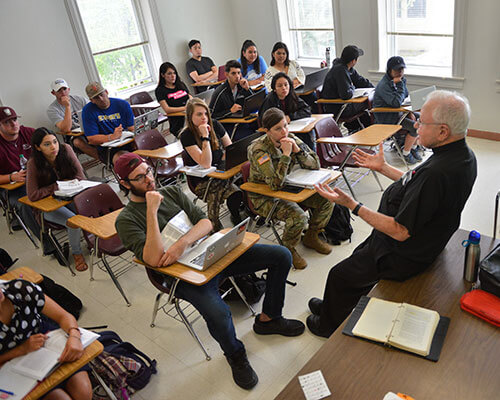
(281, 63)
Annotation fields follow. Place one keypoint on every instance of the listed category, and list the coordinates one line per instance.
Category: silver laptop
(419, 96)
(206, 96)
(214, 247)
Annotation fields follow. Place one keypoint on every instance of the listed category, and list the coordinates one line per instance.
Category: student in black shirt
(283, 96)
(172, 94)
(417, 215)
(199, 68)
(204, 141)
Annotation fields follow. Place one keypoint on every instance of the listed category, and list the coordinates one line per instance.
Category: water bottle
(472, 254)
(327, 57)
(22, 161)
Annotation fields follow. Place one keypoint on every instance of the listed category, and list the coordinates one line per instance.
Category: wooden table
(344, 103)
(164, 153)
(177, 114)
(65, 371)
(309, 127)
(467, 369)
(207, 83)
(25, 273)
(71, 134)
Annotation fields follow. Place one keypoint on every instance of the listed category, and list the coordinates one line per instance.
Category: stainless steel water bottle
(472, 255)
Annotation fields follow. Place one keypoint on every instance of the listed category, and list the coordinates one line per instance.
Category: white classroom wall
(38, 45)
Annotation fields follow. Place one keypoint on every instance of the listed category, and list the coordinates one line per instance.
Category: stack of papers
(73, 187)
(307, 178)
(197, 170)
(360, 92)
(126, 135)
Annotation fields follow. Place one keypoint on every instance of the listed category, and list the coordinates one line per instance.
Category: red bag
(483, 305)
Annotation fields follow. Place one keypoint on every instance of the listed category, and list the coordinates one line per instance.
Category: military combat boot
(312, 240)
(297, 260)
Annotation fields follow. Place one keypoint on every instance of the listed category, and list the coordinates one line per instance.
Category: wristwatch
(356, 209)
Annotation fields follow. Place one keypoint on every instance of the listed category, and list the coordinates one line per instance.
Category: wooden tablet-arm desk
(163, 153)
(237, 122)
(344, 103)
(64, 371)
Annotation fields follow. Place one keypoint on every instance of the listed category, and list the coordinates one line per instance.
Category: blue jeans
(60, 216)
(206, 299)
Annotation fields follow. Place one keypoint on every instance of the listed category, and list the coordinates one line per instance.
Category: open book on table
(360, 92)
(21, 374)
(401, 325)
(197, 170)
(307, 178)
(73, 187)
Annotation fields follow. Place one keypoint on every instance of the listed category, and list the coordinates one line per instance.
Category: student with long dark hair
(204, 141)
(280, 62)
(283, 96)
(253, 66)
(172, 94)
(51, 161)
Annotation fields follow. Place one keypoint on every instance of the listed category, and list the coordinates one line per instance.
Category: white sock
(406, 152)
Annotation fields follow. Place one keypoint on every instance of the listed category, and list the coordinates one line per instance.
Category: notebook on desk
(251, 105)
(214, 247)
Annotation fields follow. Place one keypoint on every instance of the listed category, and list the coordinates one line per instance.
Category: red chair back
(222, 73)
(150, 140)
(140, 98)
(329, 154)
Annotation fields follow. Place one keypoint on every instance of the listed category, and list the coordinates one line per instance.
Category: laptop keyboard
(199, 259)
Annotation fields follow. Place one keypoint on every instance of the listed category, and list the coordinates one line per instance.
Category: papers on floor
(360, 92)
(299, 124)
(126, 135)
(314, 386)
(197, 170)
(307, 178)
(21, 374)
(73, 187)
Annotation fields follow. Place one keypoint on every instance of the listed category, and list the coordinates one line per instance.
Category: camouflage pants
(218, 192)
(294, 216)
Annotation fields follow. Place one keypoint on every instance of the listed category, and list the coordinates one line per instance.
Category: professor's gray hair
(452, 109)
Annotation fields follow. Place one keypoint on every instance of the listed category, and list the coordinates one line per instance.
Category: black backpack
(251, 285)
(339, 227)
(114, 365)
(61, 296)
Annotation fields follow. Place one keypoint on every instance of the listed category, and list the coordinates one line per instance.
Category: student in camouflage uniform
(204, 140)
(273, 156)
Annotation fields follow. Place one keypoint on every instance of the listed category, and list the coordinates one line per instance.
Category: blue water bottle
(472, 255)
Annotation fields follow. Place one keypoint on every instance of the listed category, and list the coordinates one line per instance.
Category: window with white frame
(118, 42)
(422, 32)
(308, 26)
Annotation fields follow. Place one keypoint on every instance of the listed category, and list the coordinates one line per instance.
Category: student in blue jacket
(391, 91)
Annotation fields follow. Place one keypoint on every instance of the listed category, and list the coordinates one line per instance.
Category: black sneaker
(243, 374)
(279, 326)
(416, 154)
(315, 305)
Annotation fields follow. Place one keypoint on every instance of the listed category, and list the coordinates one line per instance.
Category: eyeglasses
(429, 123)
(142, 177)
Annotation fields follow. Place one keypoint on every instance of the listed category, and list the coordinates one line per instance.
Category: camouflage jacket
(269, 165)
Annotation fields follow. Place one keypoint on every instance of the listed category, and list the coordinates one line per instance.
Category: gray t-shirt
(55, 112)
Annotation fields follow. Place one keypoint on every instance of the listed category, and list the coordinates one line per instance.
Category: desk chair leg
(206, 190)
(115, 280)
(270, 222)
(378, 181)
(340, 112)
(400, 152)
(234, 130)
(93, 253)
(156, 308)
(233, 282)
(190, 328)
(25, 228)
(102, 383)
(496, 216)
(57, 246)
(349, 185)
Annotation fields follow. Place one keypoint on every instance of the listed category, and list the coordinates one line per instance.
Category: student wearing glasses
(281, 62)
(50, 162)
(172, 94)
(204, 141)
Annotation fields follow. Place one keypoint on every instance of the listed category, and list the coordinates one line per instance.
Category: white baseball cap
(58, 84)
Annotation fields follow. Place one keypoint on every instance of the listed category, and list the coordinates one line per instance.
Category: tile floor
(183, 372)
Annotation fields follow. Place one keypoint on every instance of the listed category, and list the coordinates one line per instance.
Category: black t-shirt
(188, 139)
(428, 201)
(201, 67)
(174, 98)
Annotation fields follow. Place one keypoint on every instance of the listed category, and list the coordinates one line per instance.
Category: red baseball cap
(126, 163)
(7, 113)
